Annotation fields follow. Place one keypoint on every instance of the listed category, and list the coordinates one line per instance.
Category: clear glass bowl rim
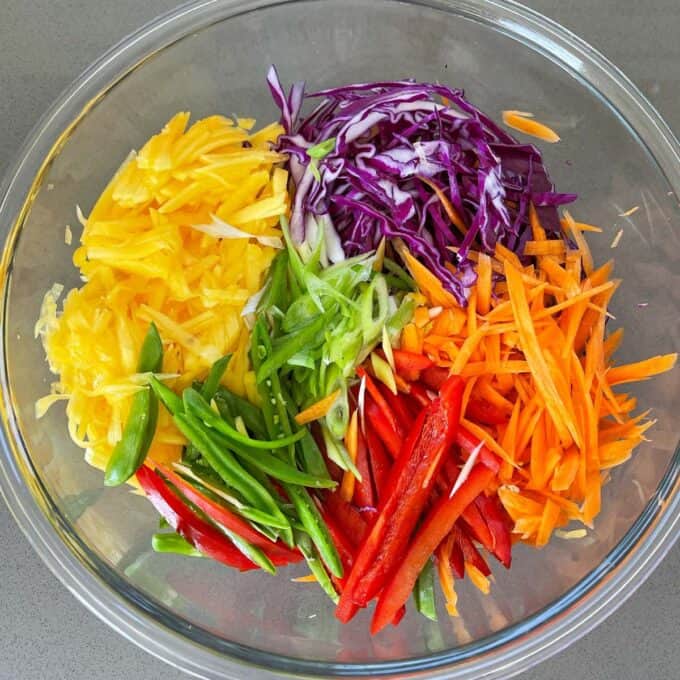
(127, 611)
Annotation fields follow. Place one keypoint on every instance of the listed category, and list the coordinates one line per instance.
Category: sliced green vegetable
(322, 149)
(174, 543)
(198, 407)
(316, 566)
(223, 462)
(140, 427)
(212, 382)
(423, 593)
(252, 552)
(167, 397)
(231, 405)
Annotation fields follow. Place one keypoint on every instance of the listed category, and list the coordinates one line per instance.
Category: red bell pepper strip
(468, 442)
(401, 612)
(434, 377)
(410, 365)
(437, 524)
(364, 494)
(379, 400)
(419, 393)
(456, 560)
(405, 455)
(411, 484)
(500, 526)
(400, 408)
(278, 552)
(346, 516)
(203, 536)
(477, 525)
(380, 463)
(470, 553)
(375, 418)
(486, 413)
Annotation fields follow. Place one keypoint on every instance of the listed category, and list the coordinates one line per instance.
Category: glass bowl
(212, 57)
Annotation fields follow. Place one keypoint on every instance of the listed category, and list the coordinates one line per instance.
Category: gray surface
(45, 634)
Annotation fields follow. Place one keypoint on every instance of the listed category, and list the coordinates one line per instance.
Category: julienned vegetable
(419, 377)
(140, 428)
(414, 161)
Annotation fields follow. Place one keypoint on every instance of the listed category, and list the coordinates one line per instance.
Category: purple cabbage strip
(389, 135)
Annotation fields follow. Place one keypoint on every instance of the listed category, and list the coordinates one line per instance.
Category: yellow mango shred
(143, 259)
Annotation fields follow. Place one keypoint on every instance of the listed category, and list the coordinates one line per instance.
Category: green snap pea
(226, 466)
(130, 451)
(151, 354)
(423, 593)
(311, 458)
(231, 405)
(140, 427)
(212, 382)
(198, 407)
(173, 543)
(311, 520)
(167, 397)
(316, 566)
(263, 518)
(278, 422)
(274, 466)
(252, 552)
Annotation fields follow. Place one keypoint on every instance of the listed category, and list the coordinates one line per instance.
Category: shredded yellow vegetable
(145, 256)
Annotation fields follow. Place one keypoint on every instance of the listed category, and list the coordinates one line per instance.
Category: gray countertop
(45, 634)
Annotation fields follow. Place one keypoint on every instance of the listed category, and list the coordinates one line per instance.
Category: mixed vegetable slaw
(368, 337)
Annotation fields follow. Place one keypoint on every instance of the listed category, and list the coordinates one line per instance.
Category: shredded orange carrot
(538, 248)
(533, 346)
(443, 199)
(352, 446)
(483, 283)
(446, 576)
(522, 122)
(532, 350)
(580, 242)
(478, 579)
(641, 370)
(317, 410)
(308, 578)
(427, 282)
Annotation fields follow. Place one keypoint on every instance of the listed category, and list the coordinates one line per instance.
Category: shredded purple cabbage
(388, 135)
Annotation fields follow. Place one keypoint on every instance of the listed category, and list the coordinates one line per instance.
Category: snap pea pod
(316, 566)
(311, 458)
(252, 552)
(266, 520)
(173, 543)
(167, 397)
(313, 523)
(278, 422)
(151, 354)
(231, 405)
(140, 427)
(212, 382)
(223, 462)
(216, 490)
(274, 466)
(423, 593)
(198, 407)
